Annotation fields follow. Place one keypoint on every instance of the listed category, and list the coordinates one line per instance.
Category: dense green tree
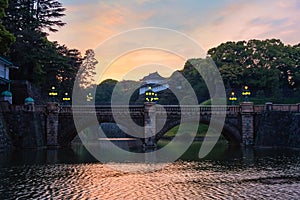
(63, 69)
(266, 65)
(40, 61)
(231, 75)
(295, 79)
(191, 72)
(67, 71)
(38, 15)
(27, 20)
(48, 14)
(6, 38)
(104, 91)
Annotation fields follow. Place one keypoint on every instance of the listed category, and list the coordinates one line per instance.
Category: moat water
(226, 173)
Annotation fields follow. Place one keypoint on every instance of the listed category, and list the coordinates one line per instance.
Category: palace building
(155, 81)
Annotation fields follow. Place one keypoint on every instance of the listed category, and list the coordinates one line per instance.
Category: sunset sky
(210, 23)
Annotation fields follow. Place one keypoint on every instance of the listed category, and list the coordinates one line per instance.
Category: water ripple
(181, 180)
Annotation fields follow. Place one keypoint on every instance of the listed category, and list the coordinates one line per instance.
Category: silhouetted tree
(87, 72)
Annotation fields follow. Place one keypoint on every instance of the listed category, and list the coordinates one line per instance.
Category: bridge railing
(159, 109)
(277, 107)
(198, 108)
(104, 109)
(65, 109)
(174, 108)
(17, 108)
(101, 109)
(234, 109)
(259, 108)
(286, 107)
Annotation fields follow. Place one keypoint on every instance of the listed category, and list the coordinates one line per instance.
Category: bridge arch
(230, 131)
(231, 127)
(68, 130)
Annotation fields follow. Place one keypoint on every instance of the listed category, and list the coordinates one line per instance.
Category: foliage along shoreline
(270, 68)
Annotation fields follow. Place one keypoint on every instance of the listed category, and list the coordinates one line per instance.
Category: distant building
(157, 83)
(5, 66)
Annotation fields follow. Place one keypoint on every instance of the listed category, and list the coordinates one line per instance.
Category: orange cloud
(136, 64)
(90, 24)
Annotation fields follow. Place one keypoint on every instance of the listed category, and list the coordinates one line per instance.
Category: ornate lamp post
(151, 96)
(150, 119)
(232, 98)
(66, 99)
(89, 97)
(52, 105)
(53, 93)
(246, 93)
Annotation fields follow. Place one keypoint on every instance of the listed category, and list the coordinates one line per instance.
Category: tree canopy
(6, 38)
(40, 61)
(268, 66)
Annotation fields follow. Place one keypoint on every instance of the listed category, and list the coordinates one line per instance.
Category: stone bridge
(243, 123)
(239, 126)
(148, 117)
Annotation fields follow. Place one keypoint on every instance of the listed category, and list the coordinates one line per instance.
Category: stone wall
(278, 129)
(26, 129)
(5, 143)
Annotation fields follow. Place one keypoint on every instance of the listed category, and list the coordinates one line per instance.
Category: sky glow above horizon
(210, 23)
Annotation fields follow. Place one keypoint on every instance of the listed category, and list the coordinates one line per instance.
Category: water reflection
(77, 153)
(227, 172)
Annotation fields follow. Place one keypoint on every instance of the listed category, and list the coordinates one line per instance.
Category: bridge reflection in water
(74, 174)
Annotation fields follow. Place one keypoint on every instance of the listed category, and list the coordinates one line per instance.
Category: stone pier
(247, 120)
(52, 124)
(150, 125)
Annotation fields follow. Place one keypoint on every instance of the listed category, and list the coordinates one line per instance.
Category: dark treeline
(25, 25)
(270, 68)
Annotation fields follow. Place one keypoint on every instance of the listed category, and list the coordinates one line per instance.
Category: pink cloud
(88, 25)
(244, 21)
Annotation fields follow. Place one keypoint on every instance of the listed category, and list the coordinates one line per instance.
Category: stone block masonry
(26, 129)
(247, 123)
(278, 129)
(5, 142)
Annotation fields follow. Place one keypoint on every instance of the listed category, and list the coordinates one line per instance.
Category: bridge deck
(160, 108)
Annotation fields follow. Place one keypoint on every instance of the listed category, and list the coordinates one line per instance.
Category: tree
(67, 64)
(104, 91)
(6, 38)
(87, 72)
(48, 14)
(27, 20)
(37, 15)
(231, 75)
(63, 69)
(266, 65)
